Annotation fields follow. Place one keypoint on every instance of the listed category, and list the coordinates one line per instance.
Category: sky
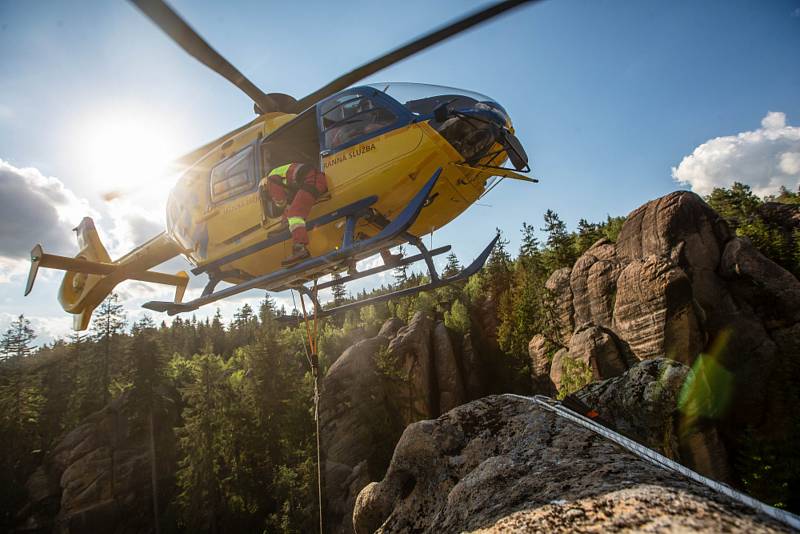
(616, 102)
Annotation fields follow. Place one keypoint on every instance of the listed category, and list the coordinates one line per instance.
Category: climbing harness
(313, 362)
(660, 460)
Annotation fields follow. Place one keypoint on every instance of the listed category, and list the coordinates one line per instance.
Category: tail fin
(79, 293)
(91, 275)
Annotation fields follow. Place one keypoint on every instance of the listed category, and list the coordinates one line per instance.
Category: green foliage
(766, 470)
(388, 366)
(745, 212)
(737, 204)
(612, 227)
(574, 375)
(457, 318)
(785, 196)
(16, 342)
(561, 251)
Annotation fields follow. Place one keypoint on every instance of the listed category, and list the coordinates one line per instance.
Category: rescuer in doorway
(299, 185)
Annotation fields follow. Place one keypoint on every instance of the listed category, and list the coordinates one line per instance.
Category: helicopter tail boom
(91, 275)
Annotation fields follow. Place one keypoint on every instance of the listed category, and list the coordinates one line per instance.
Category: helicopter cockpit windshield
(422, 99)
(471, 122)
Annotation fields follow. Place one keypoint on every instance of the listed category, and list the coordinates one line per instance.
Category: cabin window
(349, 118)
(233, 176)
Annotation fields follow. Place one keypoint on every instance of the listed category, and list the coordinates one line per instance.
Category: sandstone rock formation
(97, 478)
(597, 348)
(375, 389)
(501, 464)
(678, 283)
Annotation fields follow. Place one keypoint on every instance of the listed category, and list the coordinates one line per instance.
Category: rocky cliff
(678, 284)
(501, 464)
(98, 477)
(375, 390)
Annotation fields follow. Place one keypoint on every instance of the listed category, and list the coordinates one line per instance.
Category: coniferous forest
(227, 402)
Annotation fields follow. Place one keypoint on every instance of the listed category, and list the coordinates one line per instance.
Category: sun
(128, 153)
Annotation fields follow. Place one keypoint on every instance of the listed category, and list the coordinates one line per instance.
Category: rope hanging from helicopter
(312, 358)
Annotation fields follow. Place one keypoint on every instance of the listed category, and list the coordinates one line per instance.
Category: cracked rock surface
(503, 464)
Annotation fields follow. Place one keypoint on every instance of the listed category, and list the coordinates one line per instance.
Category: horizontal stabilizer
(79, 265)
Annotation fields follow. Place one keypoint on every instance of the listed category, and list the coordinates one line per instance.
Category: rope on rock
(660, 460)
(313, 362)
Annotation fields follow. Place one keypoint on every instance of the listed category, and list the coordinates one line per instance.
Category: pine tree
(737, 204)
(216, 335)
(16, 342)
(244, 326)
(498, 268)
(339, 291)
(108, 324)
(452, 266)
(401, 273)
(267, 312)
(529, 248)
(197, 476)
(559, 242)
(148, 369)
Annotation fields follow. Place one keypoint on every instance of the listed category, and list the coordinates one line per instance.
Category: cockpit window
(233, 175)
(348, 117)
(422, 99)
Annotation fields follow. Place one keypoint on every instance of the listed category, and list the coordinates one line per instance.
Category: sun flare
(128, 154)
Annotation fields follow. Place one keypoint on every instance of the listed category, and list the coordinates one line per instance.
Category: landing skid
(350, 249)
(435, 283)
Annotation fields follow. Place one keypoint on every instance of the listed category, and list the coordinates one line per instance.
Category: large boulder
(654, 311)
(598, 350)
(593, 282)
(559, 287)
(410, 360)
(540, 352)
(679, 226)
(449, 375)
(504, 464)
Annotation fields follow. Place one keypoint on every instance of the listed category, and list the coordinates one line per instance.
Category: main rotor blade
(407, 50)
(173, 25)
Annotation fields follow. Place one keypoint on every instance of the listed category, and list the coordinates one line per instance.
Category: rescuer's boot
(299, 253)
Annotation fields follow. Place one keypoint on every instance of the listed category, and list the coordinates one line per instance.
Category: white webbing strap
(660, 460)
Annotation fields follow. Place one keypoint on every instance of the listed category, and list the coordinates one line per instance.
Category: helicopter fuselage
(367, 143)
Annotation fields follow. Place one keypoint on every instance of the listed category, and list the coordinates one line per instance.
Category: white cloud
(790, 162)
(764, 159)
(131, 225)
(774, 120)
(11, 268)
(36, 208)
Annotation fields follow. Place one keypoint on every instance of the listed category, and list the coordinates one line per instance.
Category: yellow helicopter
(400, 159)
